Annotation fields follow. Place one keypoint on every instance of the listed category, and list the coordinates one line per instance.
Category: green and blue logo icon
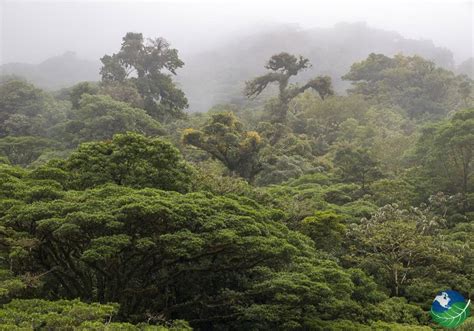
(450, 309)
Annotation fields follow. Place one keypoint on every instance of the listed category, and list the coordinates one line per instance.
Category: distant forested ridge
(55, 72)
(304, 208)
(217, 75)
(331, 50)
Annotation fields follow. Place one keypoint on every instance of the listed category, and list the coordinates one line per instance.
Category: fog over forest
(236, 165)
(35, 30)
(227, 41)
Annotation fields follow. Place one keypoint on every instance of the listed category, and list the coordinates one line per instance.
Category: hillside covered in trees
(312, 207)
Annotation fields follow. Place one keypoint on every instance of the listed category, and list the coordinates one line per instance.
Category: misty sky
(32, 31)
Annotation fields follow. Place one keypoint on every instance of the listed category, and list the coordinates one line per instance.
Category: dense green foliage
(40, 314)
(225, 140)
(312, 211)
(411, 83)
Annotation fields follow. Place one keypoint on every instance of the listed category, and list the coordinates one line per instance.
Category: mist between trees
(319, 193)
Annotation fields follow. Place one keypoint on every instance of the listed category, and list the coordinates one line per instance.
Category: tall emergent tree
(148, 66)
(283, 66)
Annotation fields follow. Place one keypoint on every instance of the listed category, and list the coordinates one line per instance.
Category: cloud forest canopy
(311, 210)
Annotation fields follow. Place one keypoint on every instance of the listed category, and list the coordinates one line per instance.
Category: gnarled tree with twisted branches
(283, 66)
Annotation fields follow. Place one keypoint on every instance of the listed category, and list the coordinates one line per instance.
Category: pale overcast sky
(31, 31)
